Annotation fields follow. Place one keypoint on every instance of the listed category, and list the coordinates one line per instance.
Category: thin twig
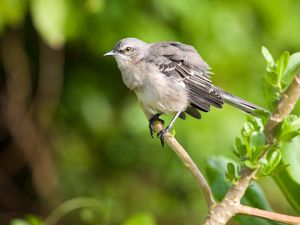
(70, 205)
(189, 163)
(246, 210)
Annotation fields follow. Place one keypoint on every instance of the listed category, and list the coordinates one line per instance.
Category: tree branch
(283, 109)
(246, 210)
(188, 162)
(18, 119)
(221, 213)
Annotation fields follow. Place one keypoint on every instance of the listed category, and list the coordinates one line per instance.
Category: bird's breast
(162, 94)
(132, 75)
(157, 92)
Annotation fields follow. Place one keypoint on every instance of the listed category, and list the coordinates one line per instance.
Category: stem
(188, 162)
(71, 205)
(246, 210)
(283, 109)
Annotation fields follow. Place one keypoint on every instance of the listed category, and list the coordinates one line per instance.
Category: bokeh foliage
(99, 136)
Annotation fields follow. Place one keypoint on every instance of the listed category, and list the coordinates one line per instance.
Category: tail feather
(242, 104)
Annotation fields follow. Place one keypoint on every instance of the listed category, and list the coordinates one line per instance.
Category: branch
(49, 85)
(284, 107)
(69, 206)
(21, 125)
(188, 162)
(222, 212)
(246, 210)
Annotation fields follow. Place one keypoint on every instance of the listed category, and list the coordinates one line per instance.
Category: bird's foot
(152, 120)
(161, 135)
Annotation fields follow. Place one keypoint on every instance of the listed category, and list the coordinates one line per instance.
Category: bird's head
(128, 50)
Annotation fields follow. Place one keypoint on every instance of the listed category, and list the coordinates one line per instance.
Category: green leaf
(281, 167)
(235, 152)
(250, 164)
(34, 220)
(231, 168)
(256, 122)
(289, 187)
(241, 151)
(273, 159)
(289, 129)
(248, 128)
(281, 64)
(28, 220)
(271, 93)
(12, 12)
(267, 55)
(289, 180)
(87, 215)
(238, 143)
(288, 136)
(215, 172)
(257, 153)
(273, 79)
(232, 173)
(296, 123)
(254, 196)
(49, 17)
(19, 222)
(252, 143)
(140, 218)
(257, 139)
(292, 67)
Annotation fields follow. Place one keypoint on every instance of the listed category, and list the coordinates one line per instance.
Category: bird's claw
(151, 123)
(161, 135)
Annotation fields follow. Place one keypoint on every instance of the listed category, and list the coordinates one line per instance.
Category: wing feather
(183, 62)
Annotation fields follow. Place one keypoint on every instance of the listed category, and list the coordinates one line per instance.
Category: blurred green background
(69, 127)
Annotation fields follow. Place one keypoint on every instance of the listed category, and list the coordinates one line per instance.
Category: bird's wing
(183, 62)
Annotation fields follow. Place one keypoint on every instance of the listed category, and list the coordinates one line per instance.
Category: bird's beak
(110, 53)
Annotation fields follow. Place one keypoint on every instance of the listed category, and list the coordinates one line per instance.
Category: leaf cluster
(249, 149)
(279, 74)
(251, 146)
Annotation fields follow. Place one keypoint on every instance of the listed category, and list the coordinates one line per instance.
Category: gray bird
(171, 78)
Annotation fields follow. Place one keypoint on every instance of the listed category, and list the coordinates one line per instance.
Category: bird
(170, 77)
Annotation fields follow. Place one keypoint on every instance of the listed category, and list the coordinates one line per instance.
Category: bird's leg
(152, 120)
(168, 128)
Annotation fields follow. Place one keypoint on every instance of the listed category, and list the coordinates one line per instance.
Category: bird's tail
(242, 104)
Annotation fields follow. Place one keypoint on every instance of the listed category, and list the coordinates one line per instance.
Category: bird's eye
(128, 49)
